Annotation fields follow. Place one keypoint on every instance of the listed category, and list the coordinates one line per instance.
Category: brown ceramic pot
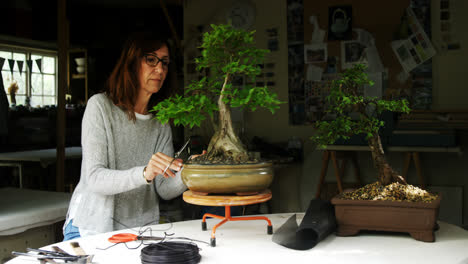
(416, 218)
(240, 179)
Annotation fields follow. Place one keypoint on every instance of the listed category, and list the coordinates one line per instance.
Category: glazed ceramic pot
(240, 179)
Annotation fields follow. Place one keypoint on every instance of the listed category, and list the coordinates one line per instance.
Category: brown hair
(122, 85)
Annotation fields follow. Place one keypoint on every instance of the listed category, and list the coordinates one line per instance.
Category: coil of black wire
(170, 252)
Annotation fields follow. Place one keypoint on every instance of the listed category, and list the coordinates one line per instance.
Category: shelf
(78, 76)
(77, 81)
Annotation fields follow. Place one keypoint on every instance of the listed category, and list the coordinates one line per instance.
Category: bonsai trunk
(386, 174)
(225, 142)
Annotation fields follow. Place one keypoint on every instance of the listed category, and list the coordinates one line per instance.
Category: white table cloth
(23, 209)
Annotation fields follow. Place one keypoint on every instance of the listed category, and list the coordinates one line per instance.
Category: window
(39, 83)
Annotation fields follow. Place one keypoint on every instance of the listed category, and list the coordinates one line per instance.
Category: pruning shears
(176, 155)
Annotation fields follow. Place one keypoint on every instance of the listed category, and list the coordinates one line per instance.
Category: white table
(44, 156)
(248, 242)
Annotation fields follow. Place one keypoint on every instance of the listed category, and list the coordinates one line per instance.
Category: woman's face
(153, 70)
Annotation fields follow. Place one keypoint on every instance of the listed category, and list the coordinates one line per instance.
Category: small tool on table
(80, 252)
(176, 155)
(50, 256)
(57, 249)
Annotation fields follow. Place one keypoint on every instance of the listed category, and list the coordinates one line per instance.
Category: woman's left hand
(196, 155)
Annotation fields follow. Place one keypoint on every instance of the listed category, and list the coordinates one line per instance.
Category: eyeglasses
(153, 60)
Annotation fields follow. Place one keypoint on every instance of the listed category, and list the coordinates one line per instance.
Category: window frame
(29, 52)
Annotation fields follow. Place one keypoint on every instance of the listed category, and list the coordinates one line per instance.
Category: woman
(126, 151)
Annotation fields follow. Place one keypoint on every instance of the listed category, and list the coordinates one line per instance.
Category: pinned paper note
(361, 50)
(314, 73)
(364, 37)
(374, 64)
(318, 34)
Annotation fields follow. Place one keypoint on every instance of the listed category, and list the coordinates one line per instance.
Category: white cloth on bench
(23, 209)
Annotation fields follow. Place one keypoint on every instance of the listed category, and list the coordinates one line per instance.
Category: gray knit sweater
(115, 151)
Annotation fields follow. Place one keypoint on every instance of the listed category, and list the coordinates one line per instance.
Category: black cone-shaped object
(318, 222)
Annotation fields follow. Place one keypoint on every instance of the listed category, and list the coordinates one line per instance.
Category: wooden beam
(171, 24)
(62, 43)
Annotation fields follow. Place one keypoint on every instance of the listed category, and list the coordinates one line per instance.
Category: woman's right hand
(158, 164)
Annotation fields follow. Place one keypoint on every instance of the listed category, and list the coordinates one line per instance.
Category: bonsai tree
(344, 98)
(226, 52)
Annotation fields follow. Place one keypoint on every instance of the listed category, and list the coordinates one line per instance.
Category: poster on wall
(340, 24)
(417, 48)
(414, 50)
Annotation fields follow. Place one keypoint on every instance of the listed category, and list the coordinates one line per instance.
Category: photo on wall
(340, 23)
(352, 52)
(315, 53)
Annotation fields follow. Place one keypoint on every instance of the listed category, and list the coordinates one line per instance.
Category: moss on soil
(219, 160)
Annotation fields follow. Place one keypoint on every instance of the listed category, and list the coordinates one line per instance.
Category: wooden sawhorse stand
(227, 201)
(411, 152)
(417, 164)
(339, 168)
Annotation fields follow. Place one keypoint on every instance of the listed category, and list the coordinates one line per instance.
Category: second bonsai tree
(345, 98)
(226, 52)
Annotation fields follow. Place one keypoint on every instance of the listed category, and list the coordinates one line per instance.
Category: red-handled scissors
(127, 237)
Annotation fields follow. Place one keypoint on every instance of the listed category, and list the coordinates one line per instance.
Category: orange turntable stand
(227, 201)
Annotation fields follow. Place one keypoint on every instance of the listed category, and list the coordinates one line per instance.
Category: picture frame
(314, 53)
(340, 22)
(352, 52)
